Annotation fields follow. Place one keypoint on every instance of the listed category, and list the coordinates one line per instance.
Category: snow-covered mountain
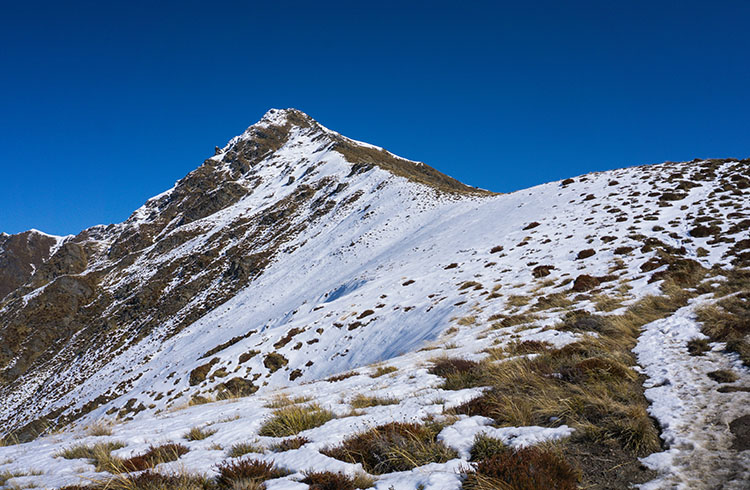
(296, 256)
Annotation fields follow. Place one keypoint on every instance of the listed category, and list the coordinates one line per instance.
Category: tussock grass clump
(83, 451)
(326, 480)
(383, 370)
(99, 428)
(7, 475)
(458, 373)
(530, 468)
(247, 473)
(149, 480)
(393, 447)
(155, 455)
(486, 447)
(363, 480)
(289, 444)
(606, 303)
(517, 300)
(467, 320)
(198, 434)
(723, 376)
(527, 347)
(601, 404)
(283, 400)
(729, 321)
(98, 454)
(242, 448)
(341, 377)
(581, 321)
(8, 440)
(505, 321)
(364, 401)
(697, 347)
(552, 300)
(200, 400)
(294, 419)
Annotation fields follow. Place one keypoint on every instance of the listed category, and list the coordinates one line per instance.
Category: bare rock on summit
(20, 256)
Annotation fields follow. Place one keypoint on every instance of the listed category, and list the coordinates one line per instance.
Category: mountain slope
(183, 254)
(295, 254)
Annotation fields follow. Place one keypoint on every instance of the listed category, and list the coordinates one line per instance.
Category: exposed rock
(20, 256)
(584, 282)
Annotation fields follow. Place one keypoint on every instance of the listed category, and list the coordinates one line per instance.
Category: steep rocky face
(181, 255)
(20, 256)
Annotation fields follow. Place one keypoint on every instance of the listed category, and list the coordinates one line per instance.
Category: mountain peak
(282, 117)
(277, 126)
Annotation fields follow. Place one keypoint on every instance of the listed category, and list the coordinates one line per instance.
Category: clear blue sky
(105, 104)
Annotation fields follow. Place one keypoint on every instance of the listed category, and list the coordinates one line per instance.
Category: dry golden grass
(7, 475)
(342, 376)
(505, 321)
(292, 420)
(247, 474)
(100, 428)
(149, 480)
(467, 320)
(588, 385)
(516, 347)
(198, 434)
(458, 373)
(98, 454)
(607, 303)
(8, 440)
(541, 284)
(393, 447)
(551, 301)
(517, 300)
(283, 400)
(200, 400)
(383, 370)
(729, 321)
(364, 401)
(242, 448)
(486, 447)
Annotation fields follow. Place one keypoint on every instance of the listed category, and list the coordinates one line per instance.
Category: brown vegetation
(393, 447)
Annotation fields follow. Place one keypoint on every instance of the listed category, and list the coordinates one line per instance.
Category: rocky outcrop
(20, 256)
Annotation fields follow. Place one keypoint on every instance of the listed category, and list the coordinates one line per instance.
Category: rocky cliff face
(21, 255)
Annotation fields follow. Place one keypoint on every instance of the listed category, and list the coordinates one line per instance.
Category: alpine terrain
(308, 311)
